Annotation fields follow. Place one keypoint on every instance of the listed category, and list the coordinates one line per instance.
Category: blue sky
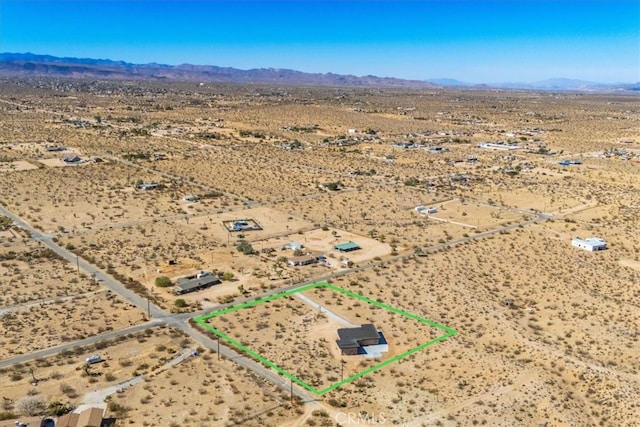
(474, 41)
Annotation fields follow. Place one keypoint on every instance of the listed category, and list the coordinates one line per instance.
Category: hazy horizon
(472, 41)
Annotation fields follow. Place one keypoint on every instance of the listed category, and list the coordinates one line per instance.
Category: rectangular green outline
(201, 321)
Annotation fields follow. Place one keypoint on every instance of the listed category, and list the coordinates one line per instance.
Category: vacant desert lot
(165, 388)
(298, 333)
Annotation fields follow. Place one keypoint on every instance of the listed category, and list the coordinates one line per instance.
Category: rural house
(351, 340)
(201, 280)
(591, 244)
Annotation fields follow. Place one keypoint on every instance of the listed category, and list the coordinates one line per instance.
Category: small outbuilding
(591, 244)
(295, 246)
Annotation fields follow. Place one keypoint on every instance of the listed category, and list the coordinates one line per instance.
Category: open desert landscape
(168, 227)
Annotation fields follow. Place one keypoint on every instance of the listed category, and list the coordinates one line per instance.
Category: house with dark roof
(72, 159)
(350, 340)
(201, 280)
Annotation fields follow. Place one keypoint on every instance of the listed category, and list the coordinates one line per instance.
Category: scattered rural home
(591, 244)
(295, 261)
(72, 159)
(200, 281)
(422, 209)
(246, 224)
(499, 146)
(190, 198)
(570, 162)
(56, 148)
(351, 340)
(150, 186)
(295, 246)
(438, 149)
(347, 247)
(91, 417)
(295, 145)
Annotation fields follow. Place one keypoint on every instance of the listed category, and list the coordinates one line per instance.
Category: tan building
(91, 417)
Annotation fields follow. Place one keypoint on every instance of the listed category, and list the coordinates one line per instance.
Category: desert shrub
(180, 303)
(119, 410)
(68, 390)
(410, 182)
(244, 247)
(7, 415)
(58, 408)
(30, 406)
(163, 282)
(333, 186)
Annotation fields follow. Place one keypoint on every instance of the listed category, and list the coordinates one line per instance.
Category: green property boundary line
(201, 320)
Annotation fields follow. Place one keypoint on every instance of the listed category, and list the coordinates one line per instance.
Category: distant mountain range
(33, 65)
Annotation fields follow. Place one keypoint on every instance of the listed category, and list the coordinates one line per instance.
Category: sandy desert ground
(547, 334)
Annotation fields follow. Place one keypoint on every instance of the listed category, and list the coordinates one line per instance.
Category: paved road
(52, 351)
(41, 302)
(160, 317)
(107, 280)
(180, 321)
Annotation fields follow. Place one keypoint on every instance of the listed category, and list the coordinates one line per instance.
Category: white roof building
(591, 244)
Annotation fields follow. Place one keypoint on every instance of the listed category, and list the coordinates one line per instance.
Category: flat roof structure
(354, 338)
(347, 247)
(301, 260)
(590, 244)
(186, 285)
